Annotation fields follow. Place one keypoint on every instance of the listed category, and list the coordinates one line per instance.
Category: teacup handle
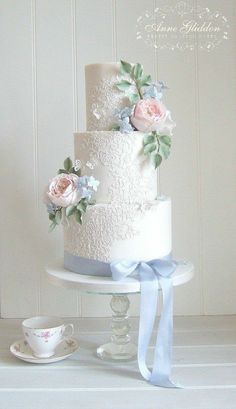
(66, 327)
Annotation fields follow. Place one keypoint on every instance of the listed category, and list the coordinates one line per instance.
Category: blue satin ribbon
(152, 274)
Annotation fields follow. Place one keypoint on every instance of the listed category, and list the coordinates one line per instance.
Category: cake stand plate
(120, 346)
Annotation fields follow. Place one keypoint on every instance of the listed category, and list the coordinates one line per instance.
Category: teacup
(43, 334)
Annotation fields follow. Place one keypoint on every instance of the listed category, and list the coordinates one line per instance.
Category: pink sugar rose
(63, 190)
(151, 115)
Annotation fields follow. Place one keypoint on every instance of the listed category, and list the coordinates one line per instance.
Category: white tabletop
(203, 362)
(58, 275)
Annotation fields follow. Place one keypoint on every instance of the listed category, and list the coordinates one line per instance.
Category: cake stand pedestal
(120, 346)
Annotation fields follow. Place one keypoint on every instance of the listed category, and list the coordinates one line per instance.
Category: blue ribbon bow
(153, 274)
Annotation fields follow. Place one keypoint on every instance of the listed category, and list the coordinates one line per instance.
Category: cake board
(120, 346)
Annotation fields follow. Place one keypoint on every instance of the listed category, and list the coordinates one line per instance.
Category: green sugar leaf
(115, 128)
(165, 139)
(137, 71)
(58, 217)
(149, 138)
(145, 80)
(52, 226)
(156, 159)
(164, 150)
(51, 216)
(92, 202)
(133, 98)
(76, 172)
(68, 164)
(70, 210)
(82, 205)
(62, 171)
(150, 147)
(125, 67)
(78, 216)
(123, 85)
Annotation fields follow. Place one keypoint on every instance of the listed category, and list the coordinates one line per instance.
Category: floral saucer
(20, 349)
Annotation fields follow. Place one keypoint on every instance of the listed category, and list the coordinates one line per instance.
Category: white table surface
(204, 360)
(58, 275)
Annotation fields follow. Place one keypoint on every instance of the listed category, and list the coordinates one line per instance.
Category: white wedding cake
(128, 220)
(114, 222)
(107, 198)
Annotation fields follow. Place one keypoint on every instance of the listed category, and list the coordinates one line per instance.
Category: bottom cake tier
(119, 231)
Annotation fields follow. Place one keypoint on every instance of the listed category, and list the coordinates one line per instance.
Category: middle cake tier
(116, 159)
(119, 231)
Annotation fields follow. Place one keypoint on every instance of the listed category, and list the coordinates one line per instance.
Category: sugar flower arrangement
(146, 112)
(69, 193)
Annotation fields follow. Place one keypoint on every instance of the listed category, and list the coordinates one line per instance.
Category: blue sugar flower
(125, 125)
(123, 122)
(93, 183)
(51, 208)
(83, 181)
(87, 185)
(154, 90)
(86, 193)
(123, 113)
(83, 186)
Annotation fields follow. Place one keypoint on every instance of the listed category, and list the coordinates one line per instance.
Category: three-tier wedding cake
(114, 222)
(128, 135)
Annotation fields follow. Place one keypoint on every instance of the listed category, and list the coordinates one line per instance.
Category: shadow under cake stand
(120, 346)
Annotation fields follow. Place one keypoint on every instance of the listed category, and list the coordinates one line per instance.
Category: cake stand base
(111, 351)
(120, 346)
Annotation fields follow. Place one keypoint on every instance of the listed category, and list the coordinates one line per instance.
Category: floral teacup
(43, 334)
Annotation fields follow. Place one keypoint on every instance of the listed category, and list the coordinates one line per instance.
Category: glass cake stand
(120, 346)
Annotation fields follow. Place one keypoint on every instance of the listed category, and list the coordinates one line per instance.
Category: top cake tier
(102, 96)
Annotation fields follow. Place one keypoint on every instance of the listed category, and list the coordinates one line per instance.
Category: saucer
(21, 349)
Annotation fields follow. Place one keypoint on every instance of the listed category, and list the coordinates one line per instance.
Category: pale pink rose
(63, 190)
(151, 115)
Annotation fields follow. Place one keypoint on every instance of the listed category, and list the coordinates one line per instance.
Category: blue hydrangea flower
(123, 113)
(93, 183)
(125, 125)
(123, 122)
(154, 90)
(86, 193)
(82, 182)
(87, 185)
(51, 208)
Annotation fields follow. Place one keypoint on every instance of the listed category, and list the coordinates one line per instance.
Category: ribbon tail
(148, 305)
(162, 357)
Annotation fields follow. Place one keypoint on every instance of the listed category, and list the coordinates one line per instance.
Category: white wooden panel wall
(44, 45)
(217, 176)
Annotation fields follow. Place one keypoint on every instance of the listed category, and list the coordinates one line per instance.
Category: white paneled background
(44, 45)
